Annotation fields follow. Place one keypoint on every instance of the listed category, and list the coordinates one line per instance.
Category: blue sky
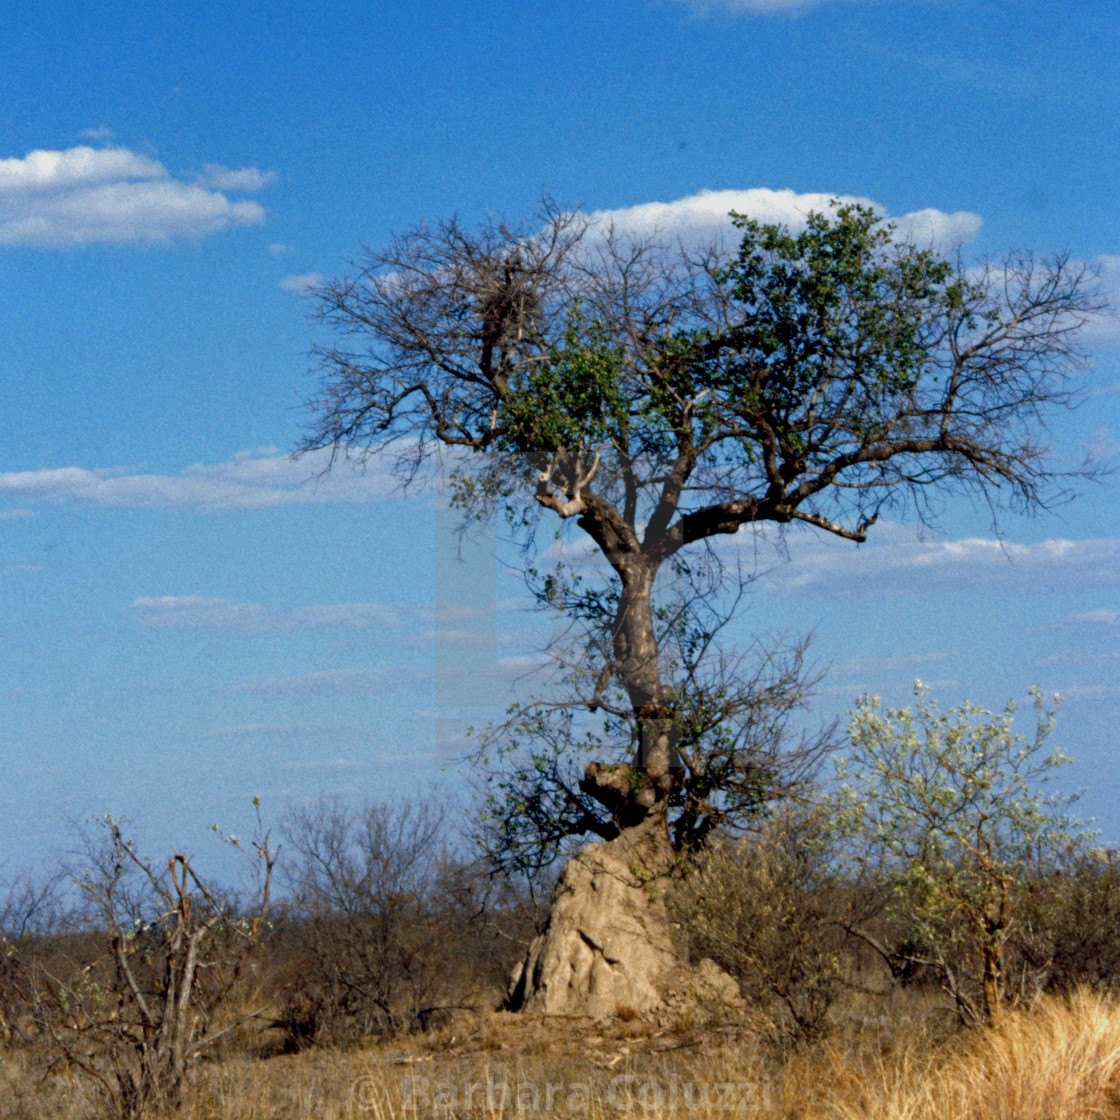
(188, 618)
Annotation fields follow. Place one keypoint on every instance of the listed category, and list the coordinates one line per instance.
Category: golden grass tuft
(1059, 1061)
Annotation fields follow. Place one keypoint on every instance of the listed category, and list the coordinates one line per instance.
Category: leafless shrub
(1066, 934)
(766, 909)
(133, 1000)
(391, 925)
(1061, 936)
(30, 912)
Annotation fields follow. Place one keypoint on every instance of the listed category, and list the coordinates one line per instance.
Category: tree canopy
(663, 397)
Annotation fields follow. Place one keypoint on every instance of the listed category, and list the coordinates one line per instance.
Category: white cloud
(15, 514)
(85, 195)
(219, 178)
(329, 681)
(895, 559)
(96, 133)
(258, 479)
(82, 166)
(704, 216)
(302, 282)
(751, 7)
(196, 612)
(1102, 616)
(935, 227)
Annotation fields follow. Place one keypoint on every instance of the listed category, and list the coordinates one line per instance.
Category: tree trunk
(991, 958)
(608, 946)
(635, 650)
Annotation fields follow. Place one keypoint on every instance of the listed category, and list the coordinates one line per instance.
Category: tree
(661, 399)
(951, 806)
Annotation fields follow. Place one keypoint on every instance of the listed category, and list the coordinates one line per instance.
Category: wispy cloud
(894, 559)
(1091, 692)
(333, 765)
(704, 216)
(218, 178)
(323, 681)
(258, 479)
(976, 70)
(195, 612)
(863, 666)
(302, 282)
(1102, 616)
(751, 7)
(279, 732)
(1103, 330)
(84, 195)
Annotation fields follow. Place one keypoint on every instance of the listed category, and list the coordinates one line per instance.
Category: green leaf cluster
(573, 400)
(841, 290)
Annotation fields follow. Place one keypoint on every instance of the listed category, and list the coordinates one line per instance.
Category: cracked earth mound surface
(607, 948)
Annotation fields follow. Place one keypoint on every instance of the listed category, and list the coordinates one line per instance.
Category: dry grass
(1060, 1061)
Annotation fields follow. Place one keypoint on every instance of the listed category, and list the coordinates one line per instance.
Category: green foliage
(571, 401)
(839, 308)
(953, 807)
(832, 370)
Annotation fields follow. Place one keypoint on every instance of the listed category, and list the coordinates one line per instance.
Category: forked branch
(562, 493)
